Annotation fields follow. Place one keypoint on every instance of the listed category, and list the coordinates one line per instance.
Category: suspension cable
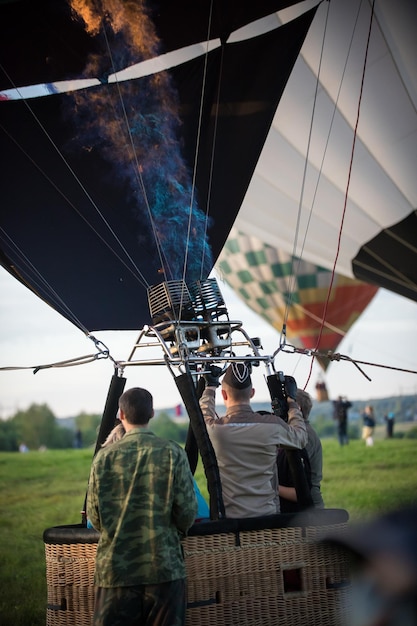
(336, 356)
(213, 150)
(138, 275)
(40, 280)
(330, 129)
(197, 145)
(355, 132)
(294, 273)
(138, 168)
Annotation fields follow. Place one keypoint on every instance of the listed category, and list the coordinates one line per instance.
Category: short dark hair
(137, 405)
(238, 395)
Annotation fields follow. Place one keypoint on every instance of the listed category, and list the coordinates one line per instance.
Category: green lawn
(43, 489)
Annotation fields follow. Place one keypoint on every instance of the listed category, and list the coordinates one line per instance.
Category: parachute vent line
(213, 150)
(330, 127)
(295, 272)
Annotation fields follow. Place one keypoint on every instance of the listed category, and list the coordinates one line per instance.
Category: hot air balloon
(316, 308)
(124, 176)
(80, 195)
(339, 160)
(123, 187)
(131, 140)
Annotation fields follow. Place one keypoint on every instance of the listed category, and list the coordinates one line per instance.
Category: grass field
(43, 489)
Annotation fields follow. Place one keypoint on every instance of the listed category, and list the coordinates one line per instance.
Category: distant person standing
(340, 414)
(390, 421)
(368, 425)
(78, 439)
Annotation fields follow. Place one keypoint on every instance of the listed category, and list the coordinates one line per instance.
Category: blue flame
(135, 126)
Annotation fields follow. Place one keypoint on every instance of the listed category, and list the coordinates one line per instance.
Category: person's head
(237, 384)
(136, 407)
(305, 402)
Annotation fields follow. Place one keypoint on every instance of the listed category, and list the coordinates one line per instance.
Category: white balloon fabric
(382, 188)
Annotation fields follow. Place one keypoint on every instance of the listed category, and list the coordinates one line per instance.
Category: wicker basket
(260, 572)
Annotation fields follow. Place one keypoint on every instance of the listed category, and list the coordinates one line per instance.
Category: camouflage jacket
(140, 498)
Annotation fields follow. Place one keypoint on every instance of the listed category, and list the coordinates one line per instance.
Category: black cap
(238, 376)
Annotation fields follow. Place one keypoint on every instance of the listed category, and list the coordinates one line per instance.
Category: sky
(32, 333)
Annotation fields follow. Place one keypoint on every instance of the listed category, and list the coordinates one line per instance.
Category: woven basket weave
(244, 576)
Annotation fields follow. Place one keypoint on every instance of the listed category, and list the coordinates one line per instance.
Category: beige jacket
(246, 444)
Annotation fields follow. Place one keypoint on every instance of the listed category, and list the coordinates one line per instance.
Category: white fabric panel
(383, 185)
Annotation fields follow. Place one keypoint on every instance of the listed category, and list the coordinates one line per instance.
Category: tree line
(37, 428)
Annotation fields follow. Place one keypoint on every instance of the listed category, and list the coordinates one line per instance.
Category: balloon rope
(216, 117)
(336, 356)
(347, 185)
(138, 168)
(136, 273)
(81, 360)
(294, 272)
(330, 127)
(200, 117)
(290, 303)
(38, 280)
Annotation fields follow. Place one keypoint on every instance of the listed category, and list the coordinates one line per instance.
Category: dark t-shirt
(285, 478)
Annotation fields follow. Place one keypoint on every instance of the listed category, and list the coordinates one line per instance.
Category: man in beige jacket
(246, 443)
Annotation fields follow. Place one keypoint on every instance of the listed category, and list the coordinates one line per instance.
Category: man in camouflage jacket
(141, 499)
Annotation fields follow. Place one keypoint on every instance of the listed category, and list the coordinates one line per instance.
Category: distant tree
(9, 439)
(163, 426)
(324, 426)
(60, 437)
(36, 426)
(89, 426)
